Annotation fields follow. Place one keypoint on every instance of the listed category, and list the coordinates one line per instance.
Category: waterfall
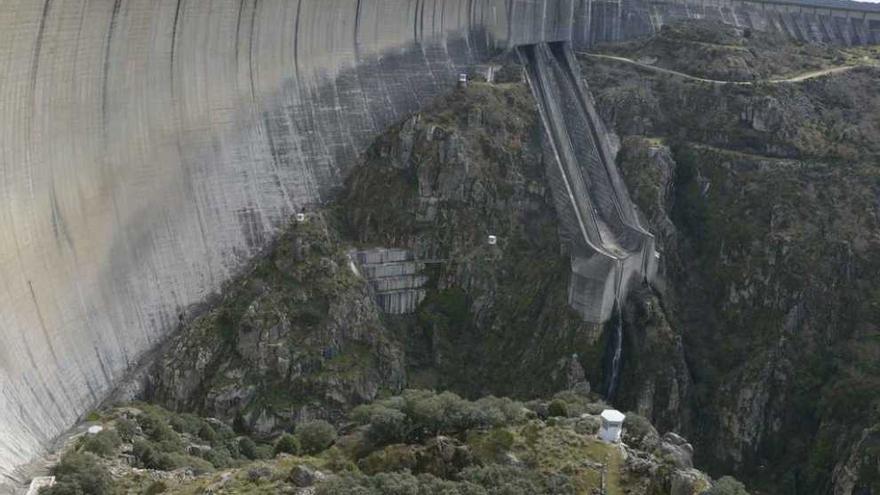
(616, 357)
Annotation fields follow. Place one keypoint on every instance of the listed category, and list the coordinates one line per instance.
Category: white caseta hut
(612, 425)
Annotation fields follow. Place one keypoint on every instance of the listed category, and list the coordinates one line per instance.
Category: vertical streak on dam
(151, 147)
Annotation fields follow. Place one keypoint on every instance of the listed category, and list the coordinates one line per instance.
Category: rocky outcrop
(656, 381)
(438, 185)
(298, 337)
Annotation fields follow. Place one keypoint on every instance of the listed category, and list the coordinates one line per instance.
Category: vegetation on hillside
(417, 442)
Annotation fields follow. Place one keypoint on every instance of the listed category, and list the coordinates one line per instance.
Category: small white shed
(612, 425)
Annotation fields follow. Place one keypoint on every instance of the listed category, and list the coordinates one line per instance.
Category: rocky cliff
(297, 337)
(764, 198)
(300, 334)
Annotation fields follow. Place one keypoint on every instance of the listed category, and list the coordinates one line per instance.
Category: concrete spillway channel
(610, 249)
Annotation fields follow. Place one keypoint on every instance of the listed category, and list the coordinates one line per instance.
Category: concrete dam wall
(151, 147)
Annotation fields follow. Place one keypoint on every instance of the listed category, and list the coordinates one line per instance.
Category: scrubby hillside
(416, 443)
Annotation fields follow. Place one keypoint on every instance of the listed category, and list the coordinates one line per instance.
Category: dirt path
(794, 79)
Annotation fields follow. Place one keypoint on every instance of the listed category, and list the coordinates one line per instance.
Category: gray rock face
(678, 450)
(298, 337)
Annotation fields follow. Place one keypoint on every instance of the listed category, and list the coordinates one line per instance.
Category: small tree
(104, 443)
(80, 473)
(126, 428)
(207, 433)
(287, 444)
(727, 485)
(387, 426)
(558, 408)
(247, 448)
(315, 436)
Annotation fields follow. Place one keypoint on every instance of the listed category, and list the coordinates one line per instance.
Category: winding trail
(794, 79)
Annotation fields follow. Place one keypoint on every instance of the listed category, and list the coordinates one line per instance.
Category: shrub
(391, 458)
(638, 431)
(207, 433)
(156, 488)
(186, 423)
(315, 436)
(104, 443)
(727, 485)
(491, 445)
(287, 444)
(419, 414)
(155, 428)
(219, 457)
(79, 473)
(265, 451)
(247, 448)
(151, 457)
(558, 408)
(126, 428)
(501, 411)
(387, 426)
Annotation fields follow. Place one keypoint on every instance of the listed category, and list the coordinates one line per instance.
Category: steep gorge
(764, 201)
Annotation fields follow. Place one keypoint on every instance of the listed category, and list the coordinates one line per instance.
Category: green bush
(391, 458)
(186, 423)
(156, 488)
(387, 426)
(207, 433)
(638, 431)
(416, 415)
(104, 443)
(315, 436)
(248, 448)
(558, 408)
(80, 473)
(287, 444)
(155, 427)
(219, 457)
(126, 428)
(149, 456)
(727, 485)
(491, 445)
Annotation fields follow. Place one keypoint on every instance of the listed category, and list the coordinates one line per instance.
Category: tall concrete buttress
(148, 148)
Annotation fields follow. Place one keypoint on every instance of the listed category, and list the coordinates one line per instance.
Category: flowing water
(616, 358)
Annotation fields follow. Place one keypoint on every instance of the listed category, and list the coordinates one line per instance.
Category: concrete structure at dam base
(152, 147)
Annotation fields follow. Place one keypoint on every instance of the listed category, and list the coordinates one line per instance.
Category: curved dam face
(151, 147)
